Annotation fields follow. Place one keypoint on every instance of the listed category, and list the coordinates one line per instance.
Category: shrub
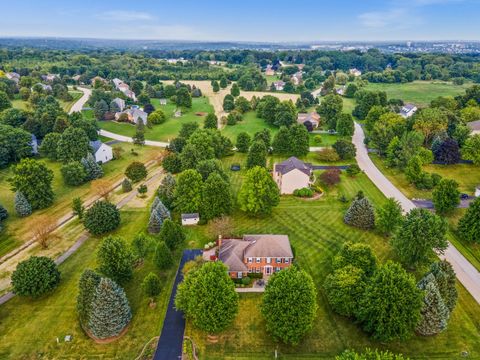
(172, 234)
(330, 177)
(151, 285)
(353, 170)
(22, 206)
(345, 149)
(317, 139)
(328, 154)
(142, 190)
(126, 185)
(136, 171)
(36, 276)
(115, 259)
(163, 256)
(86, 289)
(360, 214)
(303, 192)
(73, 173)
(140, 245)
(101, 218)
(3, 213)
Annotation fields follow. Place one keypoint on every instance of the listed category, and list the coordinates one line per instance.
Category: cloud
(123, 15)
(398, 18)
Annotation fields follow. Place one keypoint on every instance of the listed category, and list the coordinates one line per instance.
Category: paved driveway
(78, 106)
(171, 339)
(466, 273)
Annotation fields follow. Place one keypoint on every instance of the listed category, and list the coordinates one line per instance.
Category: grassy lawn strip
(25, 105)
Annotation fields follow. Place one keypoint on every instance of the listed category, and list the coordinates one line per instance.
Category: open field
(419, 92)
(171, 127)
(25, 105)
(317, 231)
(18, 229)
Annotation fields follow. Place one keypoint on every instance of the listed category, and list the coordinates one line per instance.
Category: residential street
(467, 274)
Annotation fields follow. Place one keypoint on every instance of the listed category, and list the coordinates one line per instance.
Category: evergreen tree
(257, 155)
(163, 256)
(434, 314)
(86, 290)
(211, 121)
(22, 206)
(217, 197)
(115, 259)
(446, 282)
(151, 286)
(78, 208)
(154, 223)
(110, 311)
(93, 169)
(3, 213)
(172, 234)
(140, 245)
(166, 190)
(235, 90)
(469, 224)
(126, 185)
(160, 209)
(360, 214)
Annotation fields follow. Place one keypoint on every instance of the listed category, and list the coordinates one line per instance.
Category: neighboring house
(98, 78)
(292, 174)
(341, 91)
(190, 219)
(102, 152)
(264, 254)
(313, 117)
(43, 86)
(297, 78)
(13, 76)
(355, 72)
(279, 85)
(120, 103)
(408, 110)
(117, 82)
(76, 78)
(50, 77)
(474, 126)
(34, 145)
(133, 115)
(269, 71)
(163, 101)
(129, 93)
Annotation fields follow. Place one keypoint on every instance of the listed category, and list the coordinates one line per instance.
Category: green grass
(419, 92)
(316, 231)
(17, 229)
(29, 328)
(25, 105)
(167, 130)
(250, 124)
(271, 79)
(327, 139)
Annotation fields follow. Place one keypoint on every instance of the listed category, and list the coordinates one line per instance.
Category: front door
(268, 270)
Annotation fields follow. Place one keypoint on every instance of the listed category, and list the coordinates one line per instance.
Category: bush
(101, 218)
(163, 256)
(317, 139)
(142, 190)
(126, 185)
(353, 170)
(345, 149)
(328, 154)
(136, 171)
(140, 245)
(246, 281)
(330, 177)
(115, 259)
(73, 173)
(304, 192)
(151, 285)
(360, 214)
(35, 277)
(22, 206)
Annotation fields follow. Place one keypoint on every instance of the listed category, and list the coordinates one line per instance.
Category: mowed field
(317, 232)
(25, 105)
(419, 92)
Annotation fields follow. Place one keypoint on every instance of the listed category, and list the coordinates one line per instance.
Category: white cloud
(123, 15)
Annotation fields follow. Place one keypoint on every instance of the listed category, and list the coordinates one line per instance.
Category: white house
(408, 110)
(102, 152)
(355, 72)
(120, 103)
(190, 219)
(477, 191)
(279, 85)
(292, 174)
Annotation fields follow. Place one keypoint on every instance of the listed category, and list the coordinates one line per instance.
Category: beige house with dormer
(292, 174)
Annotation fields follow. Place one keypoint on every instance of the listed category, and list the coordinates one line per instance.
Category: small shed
(163, 101)
(190, 219)
(477, 191)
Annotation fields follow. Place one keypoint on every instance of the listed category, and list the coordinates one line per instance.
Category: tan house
(134, 115)
(313, 117)
(292, 174)
(474, 126)
(264, 254)
(269, 71)
(355, 72)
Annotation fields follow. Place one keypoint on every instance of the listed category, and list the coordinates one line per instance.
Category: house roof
(408, 107)
(95, 145)
(291, 164)
(190, 216)
(312, 117)
(231, 254)
(474, 125)
(279, 83)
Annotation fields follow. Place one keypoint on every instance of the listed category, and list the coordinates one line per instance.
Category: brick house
(264, 254)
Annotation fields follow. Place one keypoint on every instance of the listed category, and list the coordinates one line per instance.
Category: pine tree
(166, 190)
(446, 282)
(110, 310)
(154, 223)
(86, 290)
(172, 234)
(360, 214)
(469, 224)
(3, 213)
(161, 210)
(163, 256)
(22, 206)
(126, 185)
(94, 170)
(434, 314)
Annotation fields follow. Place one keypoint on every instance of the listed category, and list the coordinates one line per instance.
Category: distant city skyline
(253, 21)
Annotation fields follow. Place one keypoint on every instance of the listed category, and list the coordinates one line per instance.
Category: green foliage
(357, 255)
(34, 180)
(4, 101)
(101, 218)
(210, 166)
(257, 155)
(183, 97)
(330, 109)
(136, 171)
(391, 304)
(285, 114)
(21, 205)
(49, 146)
(445, 280)
(211, 121)
(345, 125)
(73, 173)
(345, 149)
(446, 196)
(126, 185)
(385, 129)
(469, 224)
(369, 355)
(420, 234)
(110, 310)
(163, 256)
(289, 305)
(282, 141)
(303, 192)
(366, 100)
(259, 193)
(235, 90)
(188, 192)
(140, 245)
(166, 190)
(328, 154)
(353, 170)
(172, 234)
(3, 213)
(434, 314)
(299, 142)
(217, 197)
(360, 214)
(73, 145)
(35, 276)
(205, 291)
(86, 290)
(15, 144)
(172, 163)
(157, 117)
(77, 208)
(471, 149)
(93, 169)
(151, 285)
(115, 259)
(389, 217)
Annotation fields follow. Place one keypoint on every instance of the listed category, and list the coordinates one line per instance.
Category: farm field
(171, 127)
(317, 232)
(419, 92)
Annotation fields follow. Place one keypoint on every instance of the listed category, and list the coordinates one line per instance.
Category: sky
(244, 20)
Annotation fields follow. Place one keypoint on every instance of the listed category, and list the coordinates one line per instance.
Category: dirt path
(466, 273)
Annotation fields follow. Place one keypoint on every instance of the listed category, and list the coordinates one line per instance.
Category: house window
(257, 270)
(269, 260)
(258, 260)
(287, 260)
(239, 274)
(278, 260)
(250, 260)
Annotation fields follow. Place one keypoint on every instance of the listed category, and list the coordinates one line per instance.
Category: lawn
(316, 231)
(250, 124)
(18, 229)
(25, 105)
(167, 130)
(271, 79)
(29, 328)
(419, 92)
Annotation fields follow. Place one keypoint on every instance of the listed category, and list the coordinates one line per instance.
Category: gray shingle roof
(95, 145)
(190, 216)
(293, 163)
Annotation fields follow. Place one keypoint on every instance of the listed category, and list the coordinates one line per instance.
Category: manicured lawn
(18, 229)
(316, 231)
(419, 92)
(29, 328)
(250, 124)
(271, 79)
(167, 130)
(25, 105)
(327, 139)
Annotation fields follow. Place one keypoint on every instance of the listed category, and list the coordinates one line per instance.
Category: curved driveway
(466, 273)
(78, 106)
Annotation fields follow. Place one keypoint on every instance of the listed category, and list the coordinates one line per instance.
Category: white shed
(102, 152)
(190, 219)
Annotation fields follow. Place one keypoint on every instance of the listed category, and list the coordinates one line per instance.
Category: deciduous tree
(259, 193)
